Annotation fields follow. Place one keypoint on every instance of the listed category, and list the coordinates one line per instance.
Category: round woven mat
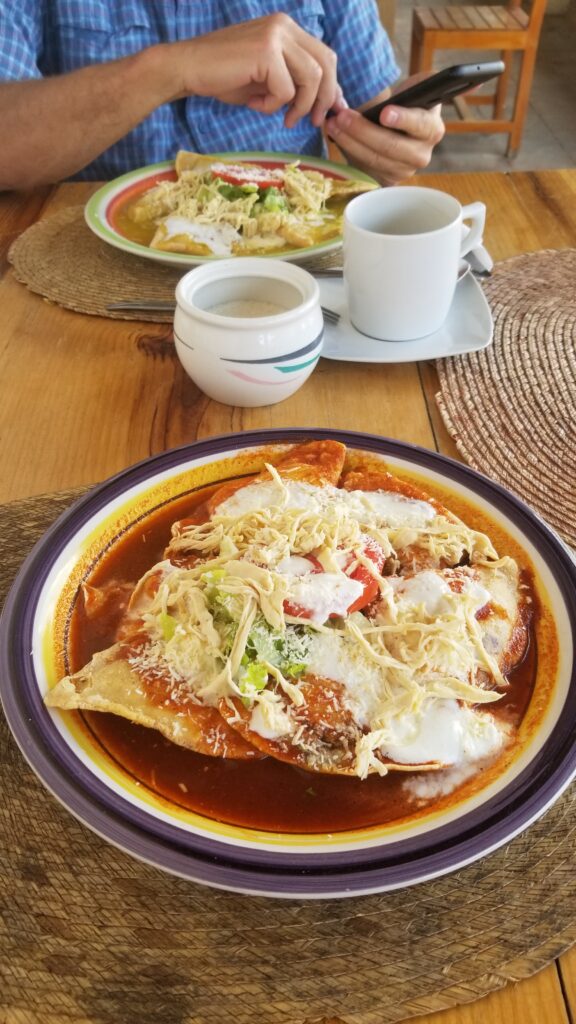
(94, 937)
(512, 407)
(61, 259)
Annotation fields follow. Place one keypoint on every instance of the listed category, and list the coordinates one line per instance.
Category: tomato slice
(361, 574)
(374, 552)
(238, 175)
(296, 610)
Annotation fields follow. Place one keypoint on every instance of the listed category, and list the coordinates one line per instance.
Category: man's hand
(264, 64)
(393, 152)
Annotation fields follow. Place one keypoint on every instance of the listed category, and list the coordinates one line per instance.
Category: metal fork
(330, 315)
(168, 306)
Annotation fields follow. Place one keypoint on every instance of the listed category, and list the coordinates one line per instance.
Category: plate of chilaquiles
(199, 208)
(297, 663)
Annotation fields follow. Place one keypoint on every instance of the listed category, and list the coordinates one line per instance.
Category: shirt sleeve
(20, 40)
(366, 61)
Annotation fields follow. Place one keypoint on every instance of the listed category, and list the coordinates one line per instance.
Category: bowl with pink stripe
(248, 333)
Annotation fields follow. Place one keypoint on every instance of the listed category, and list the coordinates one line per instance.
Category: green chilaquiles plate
(104, 207)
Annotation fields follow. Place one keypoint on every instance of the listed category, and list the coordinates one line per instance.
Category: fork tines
(330, 316)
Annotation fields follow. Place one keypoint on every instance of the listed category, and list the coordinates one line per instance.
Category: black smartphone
(442, 86)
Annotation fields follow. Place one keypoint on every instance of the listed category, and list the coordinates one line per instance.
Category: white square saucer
(467, 328)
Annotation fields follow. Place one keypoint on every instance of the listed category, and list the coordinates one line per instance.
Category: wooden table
(83, 397)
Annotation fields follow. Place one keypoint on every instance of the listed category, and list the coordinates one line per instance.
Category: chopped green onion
(167, 625)
(253, 677)
(232, 192)
(213, 576)
(294, 670)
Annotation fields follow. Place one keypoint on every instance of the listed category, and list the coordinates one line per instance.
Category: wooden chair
(509, 29)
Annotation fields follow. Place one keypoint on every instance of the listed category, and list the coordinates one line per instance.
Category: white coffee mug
(402, 247)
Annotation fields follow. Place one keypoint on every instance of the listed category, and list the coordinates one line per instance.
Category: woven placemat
(91, 936)
(61, 259)
(512, 407)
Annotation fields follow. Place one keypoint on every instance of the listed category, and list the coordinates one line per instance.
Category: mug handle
(476, 212)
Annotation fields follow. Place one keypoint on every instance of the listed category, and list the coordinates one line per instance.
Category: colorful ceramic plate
(136, 817)
(102, 210)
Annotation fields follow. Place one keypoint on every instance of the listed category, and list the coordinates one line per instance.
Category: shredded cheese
(207, 210)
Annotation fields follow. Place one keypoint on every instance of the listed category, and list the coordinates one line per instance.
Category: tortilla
(110, 684)
(314, 462)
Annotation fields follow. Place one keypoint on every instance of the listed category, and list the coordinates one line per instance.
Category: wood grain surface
(84, 397)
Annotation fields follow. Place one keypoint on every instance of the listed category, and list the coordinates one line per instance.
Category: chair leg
(422, 49)
(502, 86)
(415, 47)
(522, 98)
(427, 51)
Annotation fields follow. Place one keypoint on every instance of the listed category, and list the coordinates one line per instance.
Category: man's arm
(52, 127)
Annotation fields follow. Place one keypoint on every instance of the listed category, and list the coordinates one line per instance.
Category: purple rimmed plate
(241, 859)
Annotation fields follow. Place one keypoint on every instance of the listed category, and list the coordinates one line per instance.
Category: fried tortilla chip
(505, 620)
(349, 187)
(178, 243)
(110, 683)
(327, 736)
(328, 733)
(188, 161)
(150, 206)
(314, 462)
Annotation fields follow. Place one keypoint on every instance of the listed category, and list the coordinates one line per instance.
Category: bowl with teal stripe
(248, 333)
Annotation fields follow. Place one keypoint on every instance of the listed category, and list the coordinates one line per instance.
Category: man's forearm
(52, 127)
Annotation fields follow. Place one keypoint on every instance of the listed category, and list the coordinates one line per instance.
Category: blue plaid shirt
(49, 37)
